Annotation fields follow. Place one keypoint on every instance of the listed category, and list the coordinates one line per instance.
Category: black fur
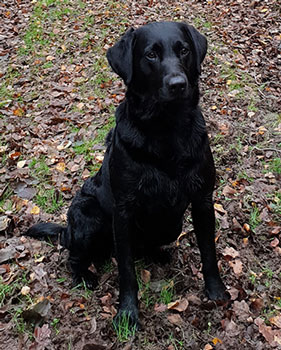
(158, 160)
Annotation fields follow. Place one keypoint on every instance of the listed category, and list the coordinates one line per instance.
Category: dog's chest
(159, 188)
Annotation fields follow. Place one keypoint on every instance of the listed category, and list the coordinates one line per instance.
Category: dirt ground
(57, 102)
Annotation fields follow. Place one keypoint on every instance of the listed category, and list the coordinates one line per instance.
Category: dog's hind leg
(80, 273)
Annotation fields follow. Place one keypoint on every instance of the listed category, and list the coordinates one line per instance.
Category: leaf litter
(57, 99)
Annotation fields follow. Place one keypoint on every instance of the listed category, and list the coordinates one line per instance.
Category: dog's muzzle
(175, 87)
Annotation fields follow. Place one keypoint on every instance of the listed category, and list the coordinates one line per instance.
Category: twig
(267, 149)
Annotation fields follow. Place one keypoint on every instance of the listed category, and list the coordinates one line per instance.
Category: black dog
(158, 160)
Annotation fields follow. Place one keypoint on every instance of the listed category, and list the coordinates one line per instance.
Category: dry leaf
(160, 307)
(80, 105)
(64, 145)
(237, 266)
(216, 340)
(35, 210)
(25, 290)
(219, 208)
(228, 191)
(229, 251)
(273, 336)
(175, 319)
(208, 347)
(274, 243)
(145, 276)
(21, 164)
(180, 237)
(276, 320)
(60, 167)
(179, 305)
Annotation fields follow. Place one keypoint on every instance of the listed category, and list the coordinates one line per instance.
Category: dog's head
(160, 59)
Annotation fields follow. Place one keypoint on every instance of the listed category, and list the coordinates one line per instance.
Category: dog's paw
(215, 290)
(87, 278)
(126, 320)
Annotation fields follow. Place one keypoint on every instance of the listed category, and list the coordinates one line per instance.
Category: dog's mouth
(166, 97)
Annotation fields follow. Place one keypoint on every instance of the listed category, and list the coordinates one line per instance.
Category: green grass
(123, 329)
(5, 202)
(177, 344)
(254, 219)
(102, 132)
(49, 200)
(167, 292)
(39, 169)
(273, 165)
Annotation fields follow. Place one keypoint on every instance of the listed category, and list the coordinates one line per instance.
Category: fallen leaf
(145, 276)
(19, 112)
(219, 208)
(208, 347)
(180, 237)
(237, 266)
(216, 341)
(25, 290)
(274, 243)
(14, 155)
(160, 307)
(21, 164)
(179, 305)
(229, 251)
(7, 254)
(64, 145)
(35, 210)
(4, 222)
(80, 106)
(50, 58)
(60, 167)
(175, 319)
(228, 191)
(242, 310)
(273, 336)
(276, 320)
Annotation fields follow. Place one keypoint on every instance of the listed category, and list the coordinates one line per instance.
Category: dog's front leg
(128, 304)
(203, 217)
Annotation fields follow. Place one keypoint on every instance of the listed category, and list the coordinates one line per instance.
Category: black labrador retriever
(158, 160)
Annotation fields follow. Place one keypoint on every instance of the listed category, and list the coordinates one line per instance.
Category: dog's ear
(120, 56)
(199, 42)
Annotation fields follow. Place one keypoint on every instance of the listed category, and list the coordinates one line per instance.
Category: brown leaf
(242, 310)
(276, 320)
(230, 327)
(271, 335)
(175, 319)
(160, 307)
(274, 243)
(145, 276)
(234, 293)
(228, 191)
(208, 347)
(60, 167)
(179, 305)
(237, 266)
(42, 338)
(107, 299)
(229, 251)
(256, 305)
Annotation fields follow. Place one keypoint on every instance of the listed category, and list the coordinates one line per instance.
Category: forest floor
(57, 102)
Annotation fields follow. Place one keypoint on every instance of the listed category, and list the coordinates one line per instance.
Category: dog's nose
(177, 85)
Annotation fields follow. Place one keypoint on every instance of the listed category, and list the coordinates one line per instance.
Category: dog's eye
(151, 55)
(184, 51)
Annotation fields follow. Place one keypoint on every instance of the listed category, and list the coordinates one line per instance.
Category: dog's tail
(50, 230)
